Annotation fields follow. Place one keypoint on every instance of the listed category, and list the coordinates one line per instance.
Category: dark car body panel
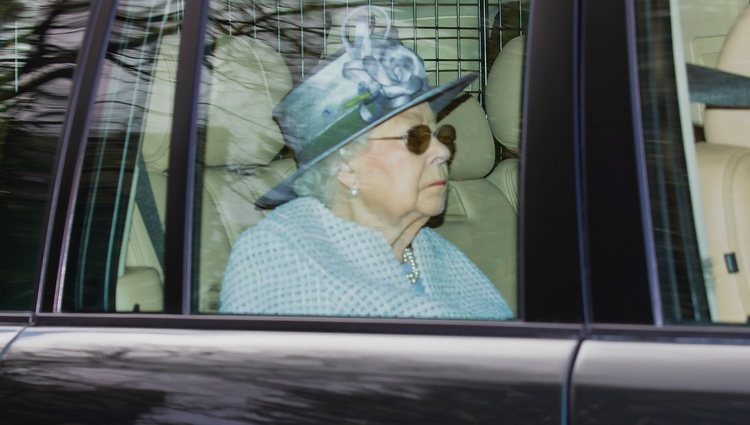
(118, 375)
(662, 382)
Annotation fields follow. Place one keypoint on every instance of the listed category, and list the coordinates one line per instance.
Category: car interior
(243, 158)
(242, 153)
(723, 157)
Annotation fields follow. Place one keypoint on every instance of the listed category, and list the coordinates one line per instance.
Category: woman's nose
(439, 152)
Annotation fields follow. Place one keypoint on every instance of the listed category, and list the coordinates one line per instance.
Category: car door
(683, 358)
(119, 334)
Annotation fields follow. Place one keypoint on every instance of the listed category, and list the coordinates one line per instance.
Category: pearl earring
(355, 190)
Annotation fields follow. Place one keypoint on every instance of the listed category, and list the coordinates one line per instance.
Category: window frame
(620, 248)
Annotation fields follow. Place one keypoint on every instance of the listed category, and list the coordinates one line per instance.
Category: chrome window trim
(314, 324)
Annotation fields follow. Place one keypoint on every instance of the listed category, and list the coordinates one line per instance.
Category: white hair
(318, 181)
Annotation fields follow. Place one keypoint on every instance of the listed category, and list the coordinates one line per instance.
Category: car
(599, 180)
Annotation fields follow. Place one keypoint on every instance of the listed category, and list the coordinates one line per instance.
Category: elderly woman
(349, 239)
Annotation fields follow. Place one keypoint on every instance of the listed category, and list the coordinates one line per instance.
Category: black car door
(94, 355)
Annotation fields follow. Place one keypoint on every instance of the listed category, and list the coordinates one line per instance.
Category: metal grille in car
(452, 36)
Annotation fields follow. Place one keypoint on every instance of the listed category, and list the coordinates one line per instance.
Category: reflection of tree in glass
(137, 39)
(39, 43)
(12, 29)
(298, 34)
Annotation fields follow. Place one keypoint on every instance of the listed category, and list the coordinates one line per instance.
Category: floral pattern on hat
(388, 76)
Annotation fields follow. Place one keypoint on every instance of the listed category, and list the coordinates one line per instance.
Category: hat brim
(439, 97)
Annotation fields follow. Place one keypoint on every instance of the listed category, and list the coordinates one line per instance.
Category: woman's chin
(433, 208)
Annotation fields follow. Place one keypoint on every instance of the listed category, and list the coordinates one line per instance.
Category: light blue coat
(304, 260)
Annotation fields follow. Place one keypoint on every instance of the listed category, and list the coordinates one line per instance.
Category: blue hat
(368, 82)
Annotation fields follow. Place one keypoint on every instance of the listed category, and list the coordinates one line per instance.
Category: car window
(117, 237)
(39, 44)
(327, 250)
(114, 260)
(693, 73)
(460, 259)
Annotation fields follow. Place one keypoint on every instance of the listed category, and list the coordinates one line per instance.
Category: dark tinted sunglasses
(418, 138)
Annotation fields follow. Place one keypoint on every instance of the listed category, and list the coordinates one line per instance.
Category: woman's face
(396, 184)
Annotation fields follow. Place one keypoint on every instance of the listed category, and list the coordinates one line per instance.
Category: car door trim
(182, 162)
(314, 324)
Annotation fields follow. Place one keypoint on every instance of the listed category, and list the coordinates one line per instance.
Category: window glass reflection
(39, 43)
(117, 248)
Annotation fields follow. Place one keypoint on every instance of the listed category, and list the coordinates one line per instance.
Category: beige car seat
(503, 100)
(482, 213)
(140, 283)
(479, 219)
(242, 140)
(247, 81)
(724, 166)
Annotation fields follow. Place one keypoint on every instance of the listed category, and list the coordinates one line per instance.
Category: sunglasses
(418, 138)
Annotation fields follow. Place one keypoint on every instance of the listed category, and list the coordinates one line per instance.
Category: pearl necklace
(408, 256)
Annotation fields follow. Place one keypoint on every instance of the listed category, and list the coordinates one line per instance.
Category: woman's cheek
(432, 204)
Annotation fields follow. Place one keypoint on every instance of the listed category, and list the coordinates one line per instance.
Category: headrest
(475, 148)
(503, 95)
(249, 78)
(732, 126)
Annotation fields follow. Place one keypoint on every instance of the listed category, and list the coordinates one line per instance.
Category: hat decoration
(373, 79)
(388, 74)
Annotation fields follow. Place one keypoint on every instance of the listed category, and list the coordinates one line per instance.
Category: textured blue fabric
(304, 260)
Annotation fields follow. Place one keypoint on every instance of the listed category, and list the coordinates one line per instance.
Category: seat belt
(718, 88)
(144, 198)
